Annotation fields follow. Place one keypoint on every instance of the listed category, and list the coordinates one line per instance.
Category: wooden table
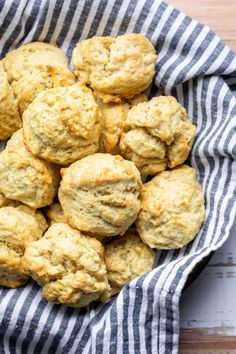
(220, 15)
(208, 307)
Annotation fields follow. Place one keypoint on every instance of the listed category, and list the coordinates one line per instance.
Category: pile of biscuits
(75, 213)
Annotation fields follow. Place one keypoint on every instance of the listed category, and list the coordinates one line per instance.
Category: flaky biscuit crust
(157, 134)
(24, 177)
(18, 227)
(69, 265)
(115, 67)
(63, 125)
(10, 120)
(100, 194)
(126, 258)
(35, 67)
(172, 209)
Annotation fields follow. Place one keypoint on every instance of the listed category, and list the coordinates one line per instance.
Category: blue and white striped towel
(200, 70)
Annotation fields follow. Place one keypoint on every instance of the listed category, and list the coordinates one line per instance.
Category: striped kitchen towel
(200, 70)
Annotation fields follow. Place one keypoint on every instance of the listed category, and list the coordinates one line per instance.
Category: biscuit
(10, 120)
(7, 202)
(172, 209)
(18, 228)
(134, 101)
(115, 67)
(40, 219)
(126, 258)
(35, 67)
(55, 214)
(14, 203)
(157, 135)
(69, 266)
(24, 177)
(33, 54)
(4, 201)
(100, 194)
(113, 119)
(63, 125)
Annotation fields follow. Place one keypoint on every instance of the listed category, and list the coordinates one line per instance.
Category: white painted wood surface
(208, 306)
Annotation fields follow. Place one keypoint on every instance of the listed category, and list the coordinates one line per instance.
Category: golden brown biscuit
(157, 134)
(172, 209)
(69, 266)
(113, 120)
(18, 228)
(35, 67)
(126, 258)
(63, 125)
(10, 120)
(55, 214)
(24, 177)
(100, 194)
(115, 67)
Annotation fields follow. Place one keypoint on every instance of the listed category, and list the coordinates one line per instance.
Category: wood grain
(219, 15)
(211, 338)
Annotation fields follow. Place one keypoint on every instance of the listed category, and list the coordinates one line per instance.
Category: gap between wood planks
(207, 340)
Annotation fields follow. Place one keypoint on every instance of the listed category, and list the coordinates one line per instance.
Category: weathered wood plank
(208, 306)
(207, 338)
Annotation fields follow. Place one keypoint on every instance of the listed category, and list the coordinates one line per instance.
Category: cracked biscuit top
(69, 266)
(157, 134)
(115, 67)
